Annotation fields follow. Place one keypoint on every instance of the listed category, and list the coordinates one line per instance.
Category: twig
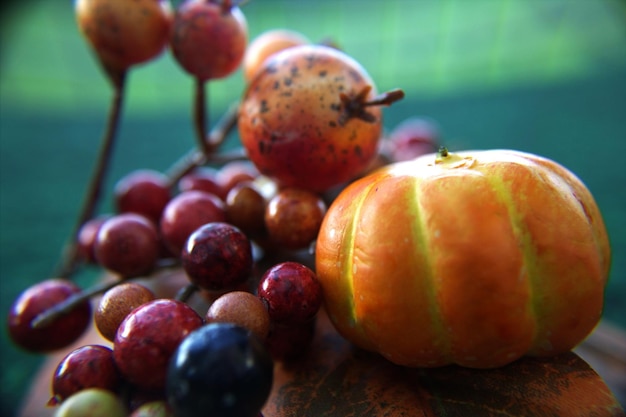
(50, 315)
(195, 158)
(200, 116)
(71, 256)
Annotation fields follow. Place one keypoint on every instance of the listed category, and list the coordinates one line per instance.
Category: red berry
(209, 38)
(185, 213)
(144, 192)
(292, 293)
(217, 256)
(412, 138)
(127, 244)
(38, 299)
(89, 366)
(147, 338)
(87, 238)
(202, 179)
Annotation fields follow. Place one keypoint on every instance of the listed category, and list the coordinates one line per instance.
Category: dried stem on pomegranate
(70, 257)
(355, 106)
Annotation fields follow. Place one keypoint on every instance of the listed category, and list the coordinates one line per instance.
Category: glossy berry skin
(144, 192)
(295, 126)
(235, 172)
(89, 366)
(125, 33)
(217, 256)
(37, 299)
(219, 370)
(185, 213)
(147, 338)
(209, 38)
(87, 237)
(245, 208)
(202, 179)
(293, 217)
(291, 292)
(127, 244)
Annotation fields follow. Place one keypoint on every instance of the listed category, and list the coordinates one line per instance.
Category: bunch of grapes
(237, 226)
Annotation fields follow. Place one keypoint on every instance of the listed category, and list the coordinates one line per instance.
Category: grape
(87, 237)
(219, 370)
(291, 292)
(185, 213)
(293, 217)
(37, 299)
(116, 304)
(89, 366)
(267, 44)
(147, 338)
(125, 33)
(144, 192)
(209, 38)
(304, 120)
(217, 256)
(243, 309)
(92, 402)
(245, 208)
(127, 244)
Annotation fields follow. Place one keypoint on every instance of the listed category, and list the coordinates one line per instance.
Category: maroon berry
(292, 293)
(147, 338)
(127, 244)
(185, 213)
(37, 299)
(235, 172)
(89, 366)
(412, 138)
(202, 179)
(87, 237)
(144, 192)
(209, 38)
(217, 256)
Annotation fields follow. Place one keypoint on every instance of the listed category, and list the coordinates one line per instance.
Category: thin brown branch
(71, 257)
(195, 157)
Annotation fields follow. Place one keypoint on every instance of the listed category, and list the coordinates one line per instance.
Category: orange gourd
(476, 258)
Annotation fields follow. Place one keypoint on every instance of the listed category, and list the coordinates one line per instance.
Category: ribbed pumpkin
(475, 258)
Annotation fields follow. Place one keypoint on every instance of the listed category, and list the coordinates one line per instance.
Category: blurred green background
(547, 77)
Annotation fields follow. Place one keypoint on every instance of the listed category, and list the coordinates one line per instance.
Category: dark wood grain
(335, 379)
